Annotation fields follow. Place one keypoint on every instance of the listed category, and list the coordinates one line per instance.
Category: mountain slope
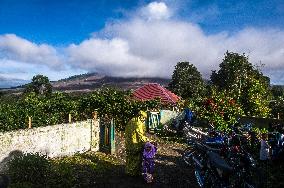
(92, 81)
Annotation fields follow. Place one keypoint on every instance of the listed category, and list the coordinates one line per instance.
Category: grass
(79, 170)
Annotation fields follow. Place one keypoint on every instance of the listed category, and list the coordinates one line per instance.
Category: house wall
(53, 141)
(167, 115)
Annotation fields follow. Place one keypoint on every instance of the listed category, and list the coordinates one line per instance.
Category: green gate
(153, 121)
(107, 135)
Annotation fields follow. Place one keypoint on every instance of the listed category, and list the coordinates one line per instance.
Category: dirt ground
(170, 170)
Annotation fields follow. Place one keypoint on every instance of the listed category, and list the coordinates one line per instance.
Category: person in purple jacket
(148, 162)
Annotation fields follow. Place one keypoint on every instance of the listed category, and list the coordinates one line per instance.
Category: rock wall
(53, 141)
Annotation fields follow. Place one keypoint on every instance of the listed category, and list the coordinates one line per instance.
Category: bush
(31, 169)
(35, 170)
(62, 175)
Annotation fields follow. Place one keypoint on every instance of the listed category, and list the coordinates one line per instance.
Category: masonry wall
(55, 140)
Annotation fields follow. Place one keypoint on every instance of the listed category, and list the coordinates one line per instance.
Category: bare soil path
(170, 170)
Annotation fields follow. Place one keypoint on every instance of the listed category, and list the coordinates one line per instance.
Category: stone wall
(55, 140)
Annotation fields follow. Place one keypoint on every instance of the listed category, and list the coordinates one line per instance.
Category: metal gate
(107, 135)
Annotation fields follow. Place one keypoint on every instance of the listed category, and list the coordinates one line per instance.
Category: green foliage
(255, 101)
(55, 108)
(71, 171)
(80, 170)
(277, 91)
(234, 71)
(115, 104)
(30, 169)
(259, 131)
(277, 106)
(220, 110)
(245, 83)
(43, 110)
(187, 81)
(40, 85)
(12, 116)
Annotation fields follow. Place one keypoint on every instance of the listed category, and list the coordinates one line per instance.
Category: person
(264, 148)
(264, 156)
(134, 142)
(253, 141)
(148, 163)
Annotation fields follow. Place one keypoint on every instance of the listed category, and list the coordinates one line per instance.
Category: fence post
(30, 122)
(69, 119)
(95, 115)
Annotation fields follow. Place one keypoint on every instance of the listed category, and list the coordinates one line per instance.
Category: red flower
(232, 101)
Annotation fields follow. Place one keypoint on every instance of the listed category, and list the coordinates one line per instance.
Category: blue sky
(58, 22)
(60, 38)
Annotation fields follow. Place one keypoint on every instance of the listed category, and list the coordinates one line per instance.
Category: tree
(40, 85)
(245, 83)
(277, 104)
(255, 101)
(187, 81)
(277, 91)
(116, 104)
(277, 107)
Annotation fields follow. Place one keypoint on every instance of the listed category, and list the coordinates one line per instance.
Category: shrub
(31, 169)
(61, 176)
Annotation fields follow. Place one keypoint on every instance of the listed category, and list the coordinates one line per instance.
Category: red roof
(154, 90)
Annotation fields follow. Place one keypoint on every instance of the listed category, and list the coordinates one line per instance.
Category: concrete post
(69, 118)
(30, 122)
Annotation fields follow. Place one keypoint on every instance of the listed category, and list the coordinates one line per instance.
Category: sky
(61, 38)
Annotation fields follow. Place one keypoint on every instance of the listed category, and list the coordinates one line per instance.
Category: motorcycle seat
(219, 162)
(212, 149)
(201, 147)
(204, 147)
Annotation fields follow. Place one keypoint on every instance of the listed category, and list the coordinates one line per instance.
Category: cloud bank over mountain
(149, 42)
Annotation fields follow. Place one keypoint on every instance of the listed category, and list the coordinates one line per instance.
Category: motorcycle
(199, 155)
(212, 171)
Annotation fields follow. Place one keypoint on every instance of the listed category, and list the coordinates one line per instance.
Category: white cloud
(156, 11)
(11, 69)
(109, 57)
(15, 48)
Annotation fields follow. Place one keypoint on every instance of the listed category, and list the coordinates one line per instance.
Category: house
(152, 91)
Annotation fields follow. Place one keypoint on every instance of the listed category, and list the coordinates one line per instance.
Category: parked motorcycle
(213, 161)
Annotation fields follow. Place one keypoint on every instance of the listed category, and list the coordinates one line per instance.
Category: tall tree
(187, 81)
(40, 85)
(255, 99)
(277, 104)
(277, 91)
(245, 83)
